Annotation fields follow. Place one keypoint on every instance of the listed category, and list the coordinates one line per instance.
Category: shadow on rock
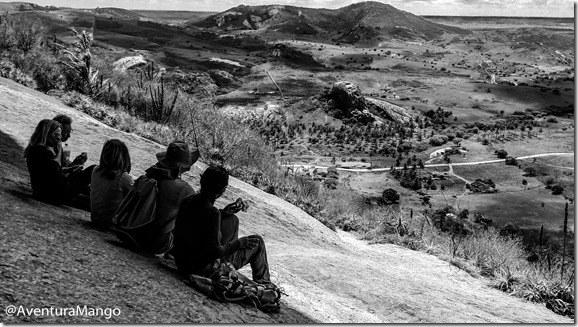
(11, 152)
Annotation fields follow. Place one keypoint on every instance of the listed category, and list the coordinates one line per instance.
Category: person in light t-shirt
(111, 182)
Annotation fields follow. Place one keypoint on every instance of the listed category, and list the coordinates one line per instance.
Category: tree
(502, 154)
(511, 161)
(557, 189)
(20, 32)
(530, 171)
(390, 196)
(28, 34)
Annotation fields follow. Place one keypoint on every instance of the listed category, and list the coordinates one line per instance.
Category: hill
(12, 7)
(56, 259)
(117, 13)
(357, 22)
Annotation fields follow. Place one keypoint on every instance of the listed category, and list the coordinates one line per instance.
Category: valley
(532, 87)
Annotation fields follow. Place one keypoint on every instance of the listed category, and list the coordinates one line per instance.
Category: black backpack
(229, 285)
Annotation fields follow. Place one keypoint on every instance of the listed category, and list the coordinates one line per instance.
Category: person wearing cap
(173, 162)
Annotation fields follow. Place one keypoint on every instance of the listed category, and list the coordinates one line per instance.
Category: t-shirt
(106, 195)
(197, 239)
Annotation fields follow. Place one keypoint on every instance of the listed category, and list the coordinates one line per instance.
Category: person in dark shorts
(201, 243)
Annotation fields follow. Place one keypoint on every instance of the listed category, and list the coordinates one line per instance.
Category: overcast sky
(533, 8)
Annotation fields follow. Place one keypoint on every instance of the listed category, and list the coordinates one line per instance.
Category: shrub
(389, 196)
(21, 33)
(530, 171)
(511, 161)
(8, 70)
(438, 140)
(557, 189)
(43, 66)
(502, 154)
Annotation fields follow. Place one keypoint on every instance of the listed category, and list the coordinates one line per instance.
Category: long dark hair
(44, 128)
(114, 159)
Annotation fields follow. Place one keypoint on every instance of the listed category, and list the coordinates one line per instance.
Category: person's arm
(215, 249)
(126, 183)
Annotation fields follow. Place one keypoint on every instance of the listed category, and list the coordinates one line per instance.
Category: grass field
(523, 208)
(507, 178)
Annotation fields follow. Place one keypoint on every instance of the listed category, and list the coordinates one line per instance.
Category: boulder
(123, 64)
(347, 97)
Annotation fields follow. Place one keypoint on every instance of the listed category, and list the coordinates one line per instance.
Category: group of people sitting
(188, 227)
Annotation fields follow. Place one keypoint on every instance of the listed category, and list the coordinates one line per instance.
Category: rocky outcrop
(390, 111)
(347, 97)
(347, 101)
(123, 64)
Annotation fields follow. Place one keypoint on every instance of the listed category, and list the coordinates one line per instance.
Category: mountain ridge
(384, 19)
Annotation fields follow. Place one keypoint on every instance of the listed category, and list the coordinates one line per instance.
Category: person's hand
(235, 207)
(231, 208)
(80, 159)
(249, 242)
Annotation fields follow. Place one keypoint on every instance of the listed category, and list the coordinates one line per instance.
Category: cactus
(564, 242)
(161, 110)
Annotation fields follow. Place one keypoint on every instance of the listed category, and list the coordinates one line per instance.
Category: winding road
(368, 170)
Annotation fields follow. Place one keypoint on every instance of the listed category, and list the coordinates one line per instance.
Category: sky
(528, 8)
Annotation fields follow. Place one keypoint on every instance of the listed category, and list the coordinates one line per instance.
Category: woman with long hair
(111, 182)
(43, 158)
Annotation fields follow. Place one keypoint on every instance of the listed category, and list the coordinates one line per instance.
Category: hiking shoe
(266, 283)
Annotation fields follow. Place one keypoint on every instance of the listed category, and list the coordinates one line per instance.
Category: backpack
(137, 210)
(229, 285)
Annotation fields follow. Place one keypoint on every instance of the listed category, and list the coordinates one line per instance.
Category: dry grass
(485, 252)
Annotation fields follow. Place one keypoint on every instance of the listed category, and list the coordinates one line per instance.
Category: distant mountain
(357, 22)
(118, 13)
(11, 7)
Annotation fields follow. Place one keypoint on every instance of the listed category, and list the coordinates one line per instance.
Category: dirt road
(473, 163)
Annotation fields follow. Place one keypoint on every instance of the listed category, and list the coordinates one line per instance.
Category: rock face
(347, 97)
(390, 111)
